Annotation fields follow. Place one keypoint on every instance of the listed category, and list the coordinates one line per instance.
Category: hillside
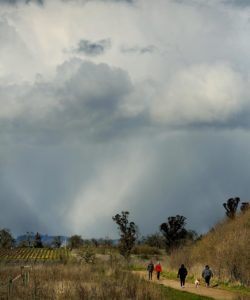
(225, 248)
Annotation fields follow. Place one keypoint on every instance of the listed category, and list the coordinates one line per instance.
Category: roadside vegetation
(225, 248)
(101, 269)
(100, 280)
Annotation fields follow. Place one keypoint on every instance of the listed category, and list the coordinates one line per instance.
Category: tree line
(172, 233)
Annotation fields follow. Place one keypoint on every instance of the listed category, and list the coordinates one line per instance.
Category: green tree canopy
(174, 231)
(6, 239)
(231, 207)
(38, 241)
(128, 233)
(75, 241)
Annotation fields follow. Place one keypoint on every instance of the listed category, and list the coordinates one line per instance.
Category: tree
(75, 241)
(29, 238)
(6, 239)
(57, 241)
(128, 233)
(38, 241)
(244, 206)
(23, 244)
(174, 231)
(231, 207)
(154, 240)
(95, 242)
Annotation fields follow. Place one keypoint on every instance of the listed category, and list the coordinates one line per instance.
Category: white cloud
(202, 94)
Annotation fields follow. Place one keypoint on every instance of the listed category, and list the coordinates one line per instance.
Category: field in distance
(34, 254)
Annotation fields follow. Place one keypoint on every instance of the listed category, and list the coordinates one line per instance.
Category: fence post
(23, 274)
(10, 288)
(27, 277)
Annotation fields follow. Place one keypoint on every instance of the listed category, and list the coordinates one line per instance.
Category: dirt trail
(189, 287)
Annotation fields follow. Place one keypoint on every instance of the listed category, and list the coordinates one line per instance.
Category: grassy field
(67, 275)
(108, 279)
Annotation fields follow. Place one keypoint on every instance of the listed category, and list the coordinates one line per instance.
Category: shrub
(145, 250)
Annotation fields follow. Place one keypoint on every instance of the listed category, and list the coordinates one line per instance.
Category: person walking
(158, 270)
(182, 273)
(150, 269)
(207, 274)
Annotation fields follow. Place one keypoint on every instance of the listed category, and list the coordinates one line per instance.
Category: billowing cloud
(83, 97)
(202, 94)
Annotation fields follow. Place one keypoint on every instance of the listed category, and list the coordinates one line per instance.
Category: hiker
(182, 273)
(207, 274)
(158, 270)
(150, 269)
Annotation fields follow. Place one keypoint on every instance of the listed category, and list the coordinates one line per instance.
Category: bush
(145, 250)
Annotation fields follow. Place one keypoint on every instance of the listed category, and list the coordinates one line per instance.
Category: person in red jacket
(158, 270)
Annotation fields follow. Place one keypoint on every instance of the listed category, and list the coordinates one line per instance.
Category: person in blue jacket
(207, 274)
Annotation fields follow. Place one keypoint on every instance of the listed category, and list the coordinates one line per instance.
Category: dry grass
(81, 281)
(226, 249)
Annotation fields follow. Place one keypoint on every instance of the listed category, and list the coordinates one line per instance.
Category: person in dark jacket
(150, 269)
(207, 274)
(182, 273)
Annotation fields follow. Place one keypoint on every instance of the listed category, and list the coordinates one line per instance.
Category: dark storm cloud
(92, 48)
(138, 49)
(83, 100)
(206, 168)
(239, 3)
(16, 213)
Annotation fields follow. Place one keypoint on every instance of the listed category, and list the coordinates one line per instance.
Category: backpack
(150, 267)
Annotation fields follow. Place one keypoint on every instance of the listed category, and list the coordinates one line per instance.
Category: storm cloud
(133, 117)
(92, 48)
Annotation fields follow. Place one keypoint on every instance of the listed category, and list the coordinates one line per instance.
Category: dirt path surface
(189, 287)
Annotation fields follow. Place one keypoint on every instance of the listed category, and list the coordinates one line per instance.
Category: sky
(113, 105)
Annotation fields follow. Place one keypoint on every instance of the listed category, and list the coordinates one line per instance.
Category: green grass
(215, 283)
(170, 293)
(240, 290)
(173, 294)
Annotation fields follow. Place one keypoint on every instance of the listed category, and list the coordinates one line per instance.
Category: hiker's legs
(158, 275)
(150, 275)
(182, 279)
(207, 280)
